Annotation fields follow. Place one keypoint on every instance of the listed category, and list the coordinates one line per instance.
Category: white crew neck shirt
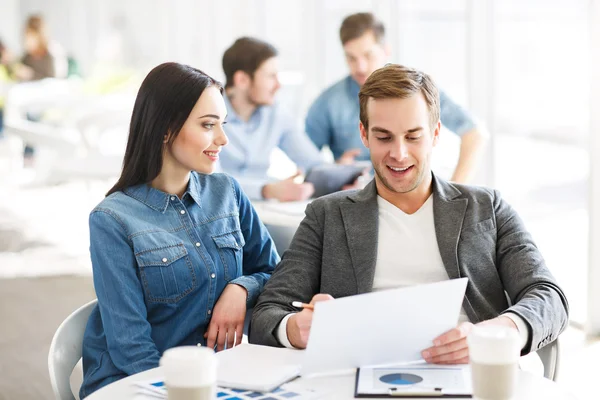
(407, 249)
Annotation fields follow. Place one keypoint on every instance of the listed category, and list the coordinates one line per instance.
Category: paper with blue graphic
(156, 390)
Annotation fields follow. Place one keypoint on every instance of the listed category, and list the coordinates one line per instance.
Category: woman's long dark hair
(163, 104)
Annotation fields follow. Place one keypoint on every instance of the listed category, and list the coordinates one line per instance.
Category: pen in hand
(299, 304)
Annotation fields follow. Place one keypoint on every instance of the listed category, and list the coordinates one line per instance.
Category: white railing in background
(76, 135)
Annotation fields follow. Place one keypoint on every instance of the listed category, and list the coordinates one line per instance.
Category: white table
(340, 387)
(277, 213)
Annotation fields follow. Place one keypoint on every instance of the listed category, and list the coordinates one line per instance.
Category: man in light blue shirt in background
(256, 124)
(333, 118)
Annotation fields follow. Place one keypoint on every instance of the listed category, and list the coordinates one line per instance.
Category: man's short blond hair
(396, 81)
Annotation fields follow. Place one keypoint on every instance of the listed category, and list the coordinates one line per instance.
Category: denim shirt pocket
(166, 273)
(230, 246)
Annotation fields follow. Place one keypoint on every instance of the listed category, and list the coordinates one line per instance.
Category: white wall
(197, 32)
(593, 321)
(9, 23)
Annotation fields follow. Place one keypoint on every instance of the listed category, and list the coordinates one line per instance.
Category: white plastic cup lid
(189, 366)
(490, 344)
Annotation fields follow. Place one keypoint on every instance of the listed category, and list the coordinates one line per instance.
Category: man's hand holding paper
(451, 347)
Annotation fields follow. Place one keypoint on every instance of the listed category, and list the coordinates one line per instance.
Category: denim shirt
(160, 263)
(247, 156)
(333, 118)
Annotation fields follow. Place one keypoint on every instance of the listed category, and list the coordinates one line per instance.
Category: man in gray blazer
(408, 227)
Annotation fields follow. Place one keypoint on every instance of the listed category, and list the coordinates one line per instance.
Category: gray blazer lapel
(448, 215)
(361, 221)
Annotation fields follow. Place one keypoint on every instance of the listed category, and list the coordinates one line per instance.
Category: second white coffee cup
(494, 352)
(190, 373)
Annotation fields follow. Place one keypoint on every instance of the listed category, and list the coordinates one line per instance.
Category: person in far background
(6, 76)
(257, 124)
(10, 73)
(332, 119)
(45, 58)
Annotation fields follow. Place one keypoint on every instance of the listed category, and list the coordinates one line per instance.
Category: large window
(523, 68)
(541, 122)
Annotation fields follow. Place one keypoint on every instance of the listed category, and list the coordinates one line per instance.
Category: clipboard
(414, 381)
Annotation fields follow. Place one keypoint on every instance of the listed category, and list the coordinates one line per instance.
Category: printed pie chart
(400, 379)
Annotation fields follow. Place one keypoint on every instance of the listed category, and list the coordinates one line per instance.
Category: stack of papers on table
(260, 368)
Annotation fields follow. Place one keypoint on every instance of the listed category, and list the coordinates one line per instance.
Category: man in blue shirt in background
(256, 124)
(333, 118)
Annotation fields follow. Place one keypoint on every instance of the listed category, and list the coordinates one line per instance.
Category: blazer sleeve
(296, 278)
(532, 289)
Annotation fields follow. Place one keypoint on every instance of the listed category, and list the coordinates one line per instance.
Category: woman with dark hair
(178, 253)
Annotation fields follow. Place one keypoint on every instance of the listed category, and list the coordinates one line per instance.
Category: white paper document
(387, 327)
(259, 368)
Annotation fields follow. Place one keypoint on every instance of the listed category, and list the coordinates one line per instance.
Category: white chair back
(550, 356)
(65, 350)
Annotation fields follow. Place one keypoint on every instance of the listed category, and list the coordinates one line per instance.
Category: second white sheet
(391, 326)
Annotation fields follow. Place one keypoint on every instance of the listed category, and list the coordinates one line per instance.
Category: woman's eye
(208, 126)
(383, 139)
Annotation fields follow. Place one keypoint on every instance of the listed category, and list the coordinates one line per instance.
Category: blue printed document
(415, 380)
(156, 390)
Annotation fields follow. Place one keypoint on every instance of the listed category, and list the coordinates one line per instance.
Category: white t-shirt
(407, 249)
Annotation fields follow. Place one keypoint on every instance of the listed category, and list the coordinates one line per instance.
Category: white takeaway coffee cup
(494, 353)
(190, 373)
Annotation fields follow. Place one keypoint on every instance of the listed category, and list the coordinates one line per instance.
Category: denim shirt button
(197, 244)
(199, 344)
(182, 212)
(172, 197)
(212, 276)
(164, 259)
(209, 312)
